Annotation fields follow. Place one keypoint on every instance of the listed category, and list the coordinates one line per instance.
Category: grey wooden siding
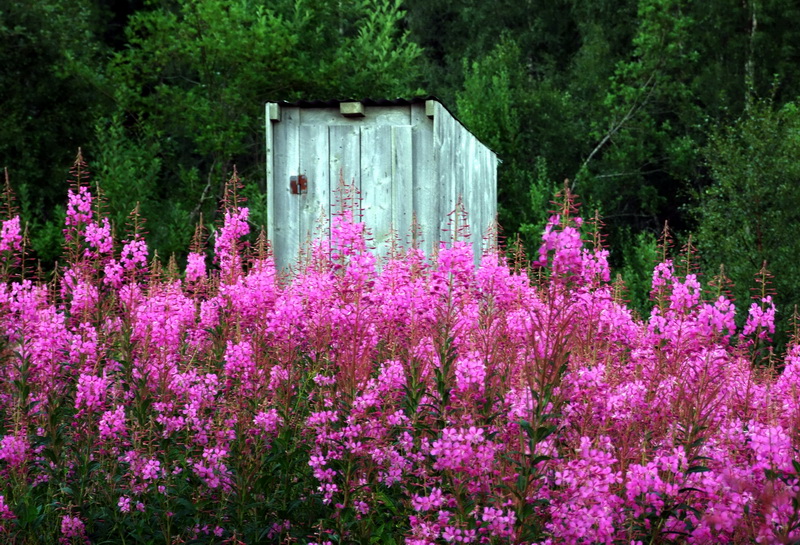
(405, 164)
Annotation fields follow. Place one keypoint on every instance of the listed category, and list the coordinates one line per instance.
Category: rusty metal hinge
(298, 184)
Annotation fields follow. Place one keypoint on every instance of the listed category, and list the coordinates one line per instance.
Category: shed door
(371, 154)
(375, 159)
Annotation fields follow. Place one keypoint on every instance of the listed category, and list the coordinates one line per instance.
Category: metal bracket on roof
(351, 109)
(430, 107)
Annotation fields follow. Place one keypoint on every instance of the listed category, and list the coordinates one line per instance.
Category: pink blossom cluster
(436, 399)
(761, 318)
(10, 235)
(195, 267)
(14, 450)
(5, 511)
(79, 207)
(72, 528)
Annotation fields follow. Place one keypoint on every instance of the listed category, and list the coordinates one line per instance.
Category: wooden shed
(408, 158)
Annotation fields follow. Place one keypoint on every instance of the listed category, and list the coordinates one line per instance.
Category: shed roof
(330, 103)
(335, 102)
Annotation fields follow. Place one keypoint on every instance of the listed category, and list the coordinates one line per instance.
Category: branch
(206, 189)
(635, 107)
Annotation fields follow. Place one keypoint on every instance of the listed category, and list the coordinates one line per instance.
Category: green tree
(50, 55)
(528, 122)
(645, 140)
(192, 85)
(748, 215)
(454, 31)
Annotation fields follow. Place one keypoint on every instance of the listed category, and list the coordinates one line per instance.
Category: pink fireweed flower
(316, 461)
(99, 238)
(69, 280)
(91, 392)
(278, 528)
(85, 297)
(425, 503)
(240, 364)
(134, 255)
(771, 446)
(79, 207)
(347, 236)
(497, 522)
(72, 527)
(211, 470)
(10, 235)
(761, 318)
(463, 449)
(455, 261)
(112, 424)
(459, 535)
(716, 318)
(594, 265)
(14, 450)
(233, 228)
(124, 504)
(5, 511)
(195, 266)
(650, 486)
(565, 244)
(278, 376)
(83, 348)
(114, 274)
(267, 423)
(585, 509)
(662, 275)
(470, 373)
(150, 470)
(321, 418)
(685, 295)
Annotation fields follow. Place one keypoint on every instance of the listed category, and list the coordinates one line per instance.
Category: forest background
(656, 111)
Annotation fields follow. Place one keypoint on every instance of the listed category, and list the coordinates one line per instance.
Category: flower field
(413, 399)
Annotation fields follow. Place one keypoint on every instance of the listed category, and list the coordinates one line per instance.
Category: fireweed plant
(413, 399)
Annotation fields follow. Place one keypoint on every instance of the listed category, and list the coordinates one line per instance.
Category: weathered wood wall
(405, 161)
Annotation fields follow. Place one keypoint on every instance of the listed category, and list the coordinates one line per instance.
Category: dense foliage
(167, 112)
(417, 399)
(644, 105)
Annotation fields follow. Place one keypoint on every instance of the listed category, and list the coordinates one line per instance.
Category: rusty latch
(298, 184)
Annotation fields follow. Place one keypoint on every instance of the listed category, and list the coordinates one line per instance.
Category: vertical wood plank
(344, 163)
(491, 167)
(475, 193)
(460, 179)
(426, 184)
(402, 183)
(465, 188)
(315, 203)
(285, 234)
(446, 162)
(376, 184)
(270, 169)
(483, 195)
(489, 191)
